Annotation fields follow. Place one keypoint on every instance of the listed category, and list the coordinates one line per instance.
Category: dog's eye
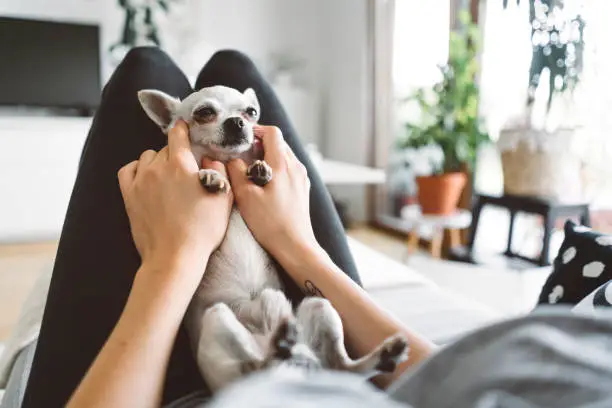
(206, 114)
(251, 112)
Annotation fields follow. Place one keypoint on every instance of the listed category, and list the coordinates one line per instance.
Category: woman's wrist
(183, 268)
(296, 253)
(178, 256)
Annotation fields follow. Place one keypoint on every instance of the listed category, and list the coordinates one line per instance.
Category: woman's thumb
(237, 171)
(213, 165)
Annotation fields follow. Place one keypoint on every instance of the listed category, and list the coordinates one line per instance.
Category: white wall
(329, 35)
(192, 31)
(332, 37)
(39, 158)
(346, 92)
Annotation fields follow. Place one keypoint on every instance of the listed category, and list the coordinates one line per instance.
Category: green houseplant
(449, 126)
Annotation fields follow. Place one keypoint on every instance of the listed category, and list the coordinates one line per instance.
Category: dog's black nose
(233, 131)
(233, 124)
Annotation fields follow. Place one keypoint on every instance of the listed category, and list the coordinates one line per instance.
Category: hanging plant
(558, 45)
(140, 27)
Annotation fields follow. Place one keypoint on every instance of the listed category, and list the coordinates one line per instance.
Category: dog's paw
(248, 367)
(394, 351)
(259, 173)
(285, 338)
(213, 181)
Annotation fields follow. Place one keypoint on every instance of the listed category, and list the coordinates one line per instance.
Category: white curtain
(382, 42)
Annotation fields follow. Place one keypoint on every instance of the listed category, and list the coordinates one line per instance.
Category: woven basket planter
(536, 163)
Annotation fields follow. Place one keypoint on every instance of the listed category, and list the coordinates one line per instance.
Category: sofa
(418, 302)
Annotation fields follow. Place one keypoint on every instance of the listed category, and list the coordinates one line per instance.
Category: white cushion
(420, 304)
(439, 315)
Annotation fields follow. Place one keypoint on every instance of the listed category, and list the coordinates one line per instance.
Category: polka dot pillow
(599, 298)
(584, 264)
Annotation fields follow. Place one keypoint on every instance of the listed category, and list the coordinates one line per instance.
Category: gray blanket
(548, 359)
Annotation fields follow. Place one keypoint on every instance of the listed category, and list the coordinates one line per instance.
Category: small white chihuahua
(239, 320)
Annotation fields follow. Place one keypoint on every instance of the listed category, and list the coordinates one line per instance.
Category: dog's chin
(236, 149)
(226, 152)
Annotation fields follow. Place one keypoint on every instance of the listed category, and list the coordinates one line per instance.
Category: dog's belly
(238, 271)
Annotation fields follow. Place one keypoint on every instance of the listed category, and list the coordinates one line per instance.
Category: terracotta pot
(402, 200)
(439, 195)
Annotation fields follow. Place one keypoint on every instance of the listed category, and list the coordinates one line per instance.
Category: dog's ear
(160, 107)
(252, 98)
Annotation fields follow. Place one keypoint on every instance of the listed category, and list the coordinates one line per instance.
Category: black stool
(550, 210)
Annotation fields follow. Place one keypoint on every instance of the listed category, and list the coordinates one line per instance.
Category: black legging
(96, 260)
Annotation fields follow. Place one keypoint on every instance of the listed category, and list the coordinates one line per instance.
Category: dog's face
(220, 119)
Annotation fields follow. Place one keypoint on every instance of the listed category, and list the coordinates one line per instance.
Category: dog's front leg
(323, 332)
(226, 349)
(213, 181)
(259, 172)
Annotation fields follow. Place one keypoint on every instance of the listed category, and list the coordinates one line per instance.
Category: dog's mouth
(238, 147)
(252, 151)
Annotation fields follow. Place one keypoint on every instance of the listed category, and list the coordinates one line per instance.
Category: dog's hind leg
(322, 331)
(226, 350)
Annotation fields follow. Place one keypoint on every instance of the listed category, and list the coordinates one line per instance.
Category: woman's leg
(96, 259)
(236, 70)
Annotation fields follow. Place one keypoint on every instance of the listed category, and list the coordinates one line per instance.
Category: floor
(20, 266)
(496, 285)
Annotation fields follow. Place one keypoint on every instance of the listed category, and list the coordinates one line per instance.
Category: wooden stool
(435, 224)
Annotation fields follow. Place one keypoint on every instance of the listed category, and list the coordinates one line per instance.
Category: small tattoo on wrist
(311, 290)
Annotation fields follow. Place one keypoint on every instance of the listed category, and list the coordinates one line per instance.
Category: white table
(335, 172)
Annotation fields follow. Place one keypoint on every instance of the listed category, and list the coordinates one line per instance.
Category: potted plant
(449, 132)
(538, 150)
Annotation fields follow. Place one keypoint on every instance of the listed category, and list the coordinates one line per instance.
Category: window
(420, 43)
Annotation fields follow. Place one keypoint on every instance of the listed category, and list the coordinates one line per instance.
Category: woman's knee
(147, 67)
(232, 58)
(139, 57)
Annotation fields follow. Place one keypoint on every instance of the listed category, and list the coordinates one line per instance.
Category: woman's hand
(171, 216)
(277, 214)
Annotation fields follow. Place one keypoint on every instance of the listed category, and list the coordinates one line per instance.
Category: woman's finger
(289, 151)
(237, 170)
(126, 176)
(214, 165)
(178, 139)
(273, 144)
(146, 158)
(163, 154)
(292, 160)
